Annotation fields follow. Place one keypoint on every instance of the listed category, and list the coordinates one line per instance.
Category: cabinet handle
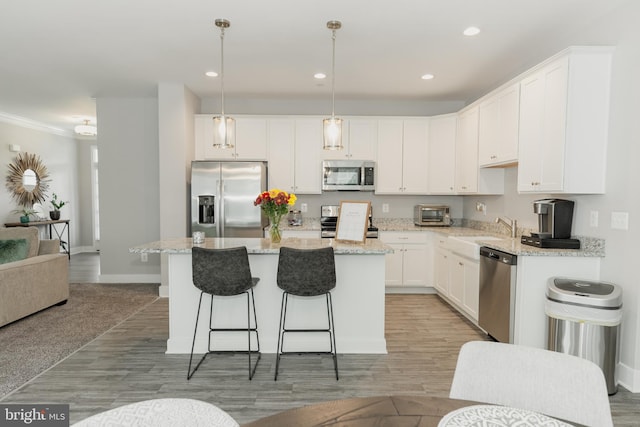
(494, 157)
(460, 264)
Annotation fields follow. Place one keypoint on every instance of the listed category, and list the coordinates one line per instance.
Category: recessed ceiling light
(427, 77)
(471, 31)
(320, 76)
(211, 74)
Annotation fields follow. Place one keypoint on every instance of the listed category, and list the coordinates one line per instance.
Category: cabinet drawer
(404, 237)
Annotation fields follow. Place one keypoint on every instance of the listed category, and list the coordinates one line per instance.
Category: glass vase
(274, 230)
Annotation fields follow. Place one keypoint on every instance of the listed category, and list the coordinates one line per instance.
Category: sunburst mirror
(28, 180)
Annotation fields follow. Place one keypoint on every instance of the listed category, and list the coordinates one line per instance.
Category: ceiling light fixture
(211, 74)
(471, 31)
(319, 76)
(332, 127)
(427, 76)
(86, 129)
(224, 127)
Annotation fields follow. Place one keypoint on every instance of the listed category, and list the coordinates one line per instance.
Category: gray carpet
(35, 343)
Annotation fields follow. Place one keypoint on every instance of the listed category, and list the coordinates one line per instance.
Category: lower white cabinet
(457, 279)
(411, 264)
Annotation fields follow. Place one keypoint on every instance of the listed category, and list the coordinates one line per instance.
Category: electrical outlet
(620, 220)
(481, 207)
(593, 219)
(144, 257)
(303, 207)
(385, 207)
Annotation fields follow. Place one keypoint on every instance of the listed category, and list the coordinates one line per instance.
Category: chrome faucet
(511, 224)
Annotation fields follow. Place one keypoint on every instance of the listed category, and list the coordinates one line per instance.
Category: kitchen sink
(469, 246)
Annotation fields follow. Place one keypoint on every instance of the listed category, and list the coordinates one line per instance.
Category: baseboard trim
(129, 278)
(409, 290)
(629, 378)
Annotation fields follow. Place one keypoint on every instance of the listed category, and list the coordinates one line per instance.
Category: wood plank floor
(128, 364)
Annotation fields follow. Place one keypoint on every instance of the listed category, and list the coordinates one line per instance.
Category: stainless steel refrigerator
(222, 196)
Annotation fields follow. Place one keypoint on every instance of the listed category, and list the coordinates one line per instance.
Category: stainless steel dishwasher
(497, 293)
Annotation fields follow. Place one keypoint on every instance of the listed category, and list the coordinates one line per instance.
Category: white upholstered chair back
(555, 384)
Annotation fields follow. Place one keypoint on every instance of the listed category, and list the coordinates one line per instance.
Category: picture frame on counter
(353, 221)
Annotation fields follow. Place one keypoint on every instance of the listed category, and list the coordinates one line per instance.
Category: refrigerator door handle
(221, 225)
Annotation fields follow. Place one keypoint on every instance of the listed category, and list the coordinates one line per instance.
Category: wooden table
(65, 245)
(423, 411)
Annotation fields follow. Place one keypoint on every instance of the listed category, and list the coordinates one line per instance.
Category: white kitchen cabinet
(442, 270)
(465, 284)
(564, 117)
(441, 158)
(411, 264)
(402, 153)
(251, 139)
(457, 279)
(281, 168)
(471, 179)
(359, 138)
(498, 128)
(294, 155)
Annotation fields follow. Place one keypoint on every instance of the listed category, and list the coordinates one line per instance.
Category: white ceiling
(58, 56)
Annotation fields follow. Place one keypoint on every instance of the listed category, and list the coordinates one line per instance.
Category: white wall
(344, 107)
(59, 154)
(129, 187)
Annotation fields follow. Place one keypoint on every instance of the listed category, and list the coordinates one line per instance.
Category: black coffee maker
(555, 217)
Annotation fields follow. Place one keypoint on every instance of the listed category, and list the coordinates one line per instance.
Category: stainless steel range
(329, 221)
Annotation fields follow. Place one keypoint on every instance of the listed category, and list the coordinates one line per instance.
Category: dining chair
(304, 273)
(555, 384)
(224, 273)
(166, 412)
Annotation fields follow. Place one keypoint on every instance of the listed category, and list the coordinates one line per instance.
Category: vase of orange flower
(275, 204)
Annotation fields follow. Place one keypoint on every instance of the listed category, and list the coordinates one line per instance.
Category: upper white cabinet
(251, 139)
(294, 155)
(564, 117)
(359, 137)
(441, 163)
(402, 156)
(498, 128)
(470, 179)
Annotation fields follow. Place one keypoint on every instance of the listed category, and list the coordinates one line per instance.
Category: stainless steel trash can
(584, 320)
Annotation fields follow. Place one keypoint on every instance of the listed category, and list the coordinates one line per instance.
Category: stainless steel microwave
(432, 216)
(348, 175)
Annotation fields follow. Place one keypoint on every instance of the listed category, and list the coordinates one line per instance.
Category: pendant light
(224, 127)
(332, 127)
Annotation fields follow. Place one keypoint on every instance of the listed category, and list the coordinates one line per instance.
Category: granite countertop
(183, 245)
(590, 247)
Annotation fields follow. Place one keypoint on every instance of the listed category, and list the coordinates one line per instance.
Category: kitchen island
(358, 299)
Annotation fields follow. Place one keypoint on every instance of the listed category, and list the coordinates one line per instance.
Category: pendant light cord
(333, 76)
(222, 69)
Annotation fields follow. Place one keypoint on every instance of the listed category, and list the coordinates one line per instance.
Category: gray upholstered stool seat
(306, 273)
(224, 273)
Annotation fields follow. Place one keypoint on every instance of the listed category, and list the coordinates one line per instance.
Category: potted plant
(57, 204)
(25, 214)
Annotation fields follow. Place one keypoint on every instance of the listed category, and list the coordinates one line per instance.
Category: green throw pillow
(13, 250)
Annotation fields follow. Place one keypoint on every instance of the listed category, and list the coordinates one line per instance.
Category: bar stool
(306, 273)
(222, 273)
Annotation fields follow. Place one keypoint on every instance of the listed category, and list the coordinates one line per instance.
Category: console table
(65, 245)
